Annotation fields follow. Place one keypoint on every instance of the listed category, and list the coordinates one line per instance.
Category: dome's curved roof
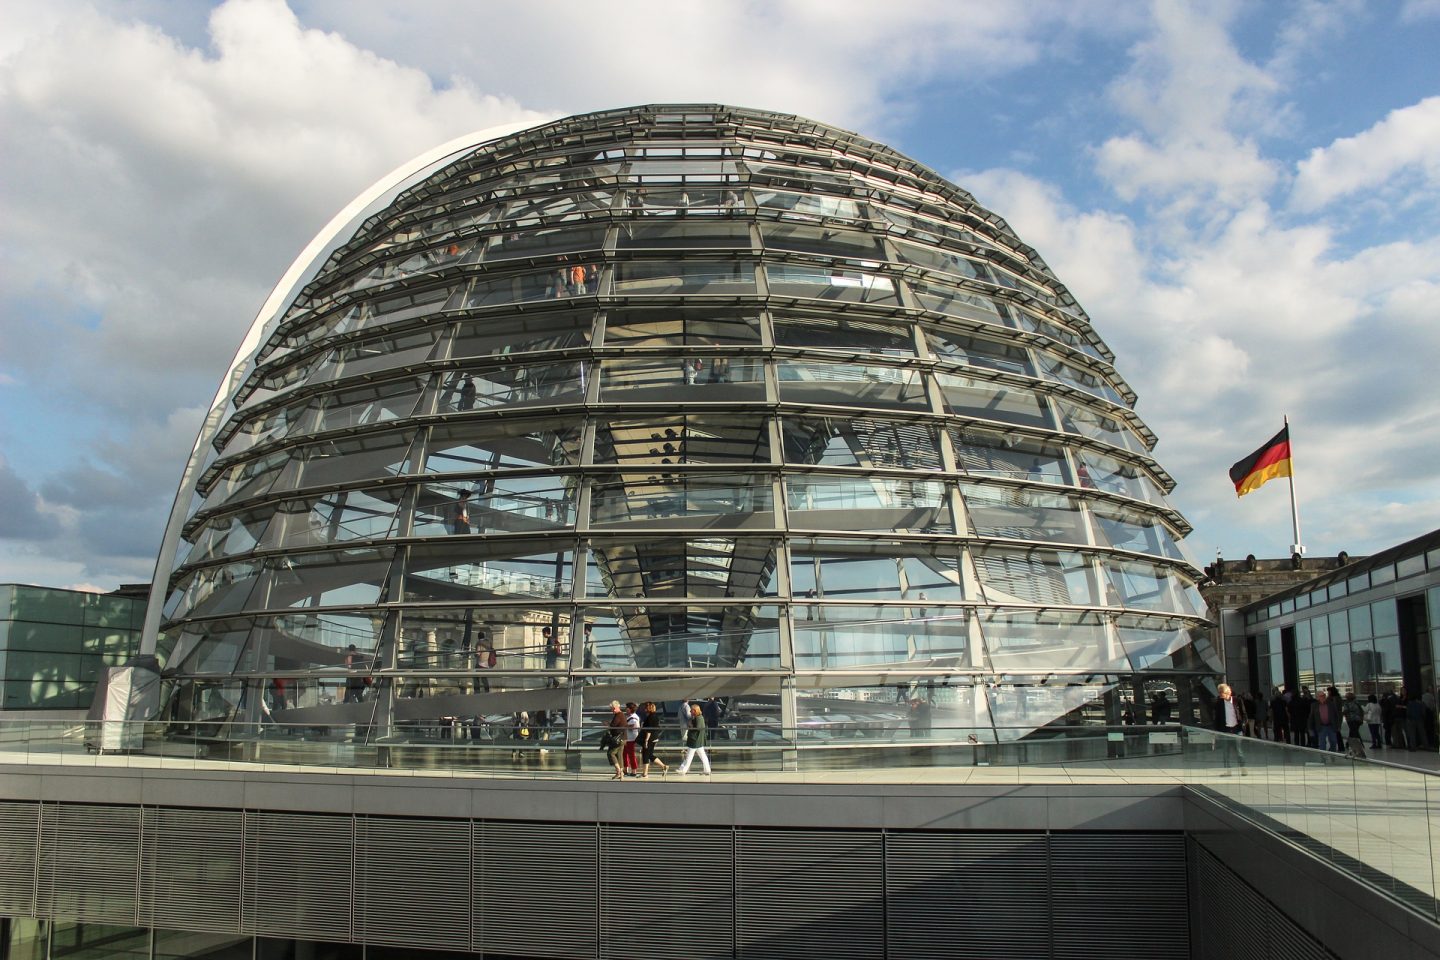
(755, 405)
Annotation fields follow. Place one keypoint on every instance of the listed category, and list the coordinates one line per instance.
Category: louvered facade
(670, 402)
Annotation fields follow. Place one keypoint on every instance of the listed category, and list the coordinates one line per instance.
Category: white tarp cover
(131, 695)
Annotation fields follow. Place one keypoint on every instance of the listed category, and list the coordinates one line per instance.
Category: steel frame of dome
(777, 414)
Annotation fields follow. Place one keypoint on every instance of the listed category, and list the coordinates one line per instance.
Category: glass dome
(667, 403)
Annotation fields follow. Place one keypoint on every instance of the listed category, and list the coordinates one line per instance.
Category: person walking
(649, 740)
(1373, 718)
(613, 740)
(1230, 719)
(632, 740)
(695, 742)
(1324, 723)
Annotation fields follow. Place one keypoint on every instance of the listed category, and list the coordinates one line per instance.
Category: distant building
(54, 643)
(1367, 625)
(1235, 584)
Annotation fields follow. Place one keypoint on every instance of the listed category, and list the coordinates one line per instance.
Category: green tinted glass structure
(55, 643)
(670, 402)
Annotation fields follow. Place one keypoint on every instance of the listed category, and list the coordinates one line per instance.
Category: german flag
(1270, 461)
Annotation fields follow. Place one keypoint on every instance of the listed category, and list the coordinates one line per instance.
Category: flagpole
(1297, 548)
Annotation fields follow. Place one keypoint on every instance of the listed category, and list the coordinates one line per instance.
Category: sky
(1244, 196)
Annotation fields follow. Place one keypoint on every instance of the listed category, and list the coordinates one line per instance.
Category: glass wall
(55, 643)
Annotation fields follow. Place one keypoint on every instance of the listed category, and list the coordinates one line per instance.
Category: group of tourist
(634, 733)
(1329, 720)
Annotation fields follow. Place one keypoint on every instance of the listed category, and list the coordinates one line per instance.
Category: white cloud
(848, 62)
(1415, 11)
(1407, 141)
(1195, 100)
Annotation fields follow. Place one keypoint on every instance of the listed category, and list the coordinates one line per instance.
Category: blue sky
(1244, 197)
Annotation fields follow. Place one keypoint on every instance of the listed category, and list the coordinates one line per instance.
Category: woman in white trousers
(695, 741)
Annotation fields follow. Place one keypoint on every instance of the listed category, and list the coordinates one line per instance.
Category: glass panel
(1021, 514)
(274, 424)
(979, 352)
(990, 453)
(821, 241)
(1137, 584)
(729, 500)
(1340, 666)
(1022, 704)
(860, 442)
(335, 518)
(1098, 426)
(1035, 576)
(1389, 669)
(829, 283)
(184, 945)
(213, 590)
(844, 334)
(247, 479)
(1303, 636)
(495, 505)
(1018, 640)
(1156, 644)
(988, 400)
(371, 403)
(515, 245)
(806, 206)
(358, 358)
(345, 460)
(1383, 619)
(689, 379)
(1048, 328)
(480, 570)
(847, 637)
(702, 567)
(1340, 628)
(521, 288)
(1360, 622)
(522, 333)
(696, 638)
(955, 302)
(1116, 476)
(944, 261)
(911, 707)
(1132, 530)
(1382, 574)
(517, 385)
(688, 438)
(329, 578)
(1409, 566)
(98, 941)
(866, 570)
(267, 948)
(868, 503)
(1068, 373)
(497, 445)
(685, 234)
(1324, 676)
(485, 643)
(668, 328)
(689, 278)
(25, 939)
(851, 385)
